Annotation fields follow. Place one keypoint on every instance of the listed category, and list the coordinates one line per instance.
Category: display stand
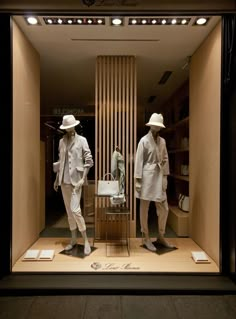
(117, 227)
(122, 239)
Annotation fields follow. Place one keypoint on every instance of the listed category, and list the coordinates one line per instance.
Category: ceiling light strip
(159, 21)
(74, 21)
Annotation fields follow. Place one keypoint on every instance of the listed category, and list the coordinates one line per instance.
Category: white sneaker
(149, 245)
(70, 245)
(164, 242)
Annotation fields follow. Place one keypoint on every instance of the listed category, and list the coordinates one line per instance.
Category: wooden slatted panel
(116, 101)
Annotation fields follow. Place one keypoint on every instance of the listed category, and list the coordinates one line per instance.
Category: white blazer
(151, 164)
(79, 157)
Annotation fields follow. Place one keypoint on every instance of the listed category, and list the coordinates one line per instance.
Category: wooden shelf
(178, 221)
(180, 177)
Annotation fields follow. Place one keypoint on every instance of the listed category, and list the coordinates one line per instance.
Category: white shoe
(149, 245)
(71, 245)
(164, 242)
(87, 248)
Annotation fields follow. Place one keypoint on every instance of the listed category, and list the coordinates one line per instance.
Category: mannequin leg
(73, 240)
(87, 248)
(144, 206)
(162, 213)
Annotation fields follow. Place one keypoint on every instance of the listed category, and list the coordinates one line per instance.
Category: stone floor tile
(15, 307)
(58, 307)
(102, 307)
(203, 307)
(148, 307)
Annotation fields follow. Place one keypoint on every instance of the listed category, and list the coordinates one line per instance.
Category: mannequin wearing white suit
(151, 170)
(75, 160)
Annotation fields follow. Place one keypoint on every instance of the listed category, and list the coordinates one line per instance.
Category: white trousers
(74, 219)
(162, 213)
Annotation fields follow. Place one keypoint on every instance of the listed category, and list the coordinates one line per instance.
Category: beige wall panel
(205, 79)
(26, 144)
(42, 186)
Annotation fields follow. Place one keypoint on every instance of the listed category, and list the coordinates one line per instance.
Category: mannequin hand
(79, 184)
(138, 185)
(55, 186)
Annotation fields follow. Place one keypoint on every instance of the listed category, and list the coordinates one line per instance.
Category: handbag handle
(108, 174)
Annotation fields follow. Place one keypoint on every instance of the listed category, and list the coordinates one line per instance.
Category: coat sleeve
(138, 167)
(165, 160)
(88, 159)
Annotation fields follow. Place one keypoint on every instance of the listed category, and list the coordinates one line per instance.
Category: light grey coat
(79, 157)
(151, 164)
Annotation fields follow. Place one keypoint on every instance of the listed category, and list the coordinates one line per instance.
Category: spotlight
(90, 21)
(154, 21)
(116, 21)
(163, 21)
(49, 21)
(59, 21)
(201, 21)
(173, 21)
(134, 21)
(70, 21)
(144, 21)
(184, 21)
(79, 21)
(32, 20)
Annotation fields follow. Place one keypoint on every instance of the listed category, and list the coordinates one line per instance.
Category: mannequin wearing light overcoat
(151, 171)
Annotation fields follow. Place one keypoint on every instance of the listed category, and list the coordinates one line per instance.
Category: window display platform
(140, 259)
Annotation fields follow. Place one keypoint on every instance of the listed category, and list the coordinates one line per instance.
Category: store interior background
(54, 70)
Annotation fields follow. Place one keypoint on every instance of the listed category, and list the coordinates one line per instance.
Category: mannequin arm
(138, 184)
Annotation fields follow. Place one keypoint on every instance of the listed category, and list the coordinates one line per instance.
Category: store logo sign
(114, 266)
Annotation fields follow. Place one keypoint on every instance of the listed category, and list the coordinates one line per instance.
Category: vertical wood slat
(115, 126)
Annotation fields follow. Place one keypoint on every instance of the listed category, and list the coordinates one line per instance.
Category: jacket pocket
(150, 167)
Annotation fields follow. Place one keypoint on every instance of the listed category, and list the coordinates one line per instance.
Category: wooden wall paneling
(115, 116)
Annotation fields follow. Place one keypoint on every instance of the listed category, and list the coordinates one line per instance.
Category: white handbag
(183, 202)
(108, 187)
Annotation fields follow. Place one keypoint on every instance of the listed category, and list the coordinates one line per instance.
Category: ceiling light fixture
(116, 21)
(159, 21)
(201, 21)
(32, 20)
(74, 20)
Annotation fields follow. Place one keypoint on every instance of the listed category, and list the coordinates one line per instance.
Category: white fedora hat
(68, 122)
(156, 120)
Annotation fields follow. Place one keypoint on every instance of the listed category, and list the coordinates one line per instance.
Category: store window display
(150, 173)
(75, 160)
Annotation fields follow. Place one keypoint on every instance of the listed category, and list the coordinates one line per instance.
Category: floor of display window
(140, 259)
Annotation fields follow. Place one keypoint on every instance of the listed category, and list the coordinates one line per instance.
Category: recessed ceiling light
(184, 21)
(32, 20)
(70, 21)
(173, 21)
(59, 21)
(99, 21)
(116, 21)
(144, 21)
(79, 21)
(201, 21)
(163, 21)
(49, 21)
(154, 21)
(134, 21)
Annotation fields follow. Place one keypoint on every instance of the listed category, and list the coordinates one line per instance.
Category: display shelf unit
(176, 134)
